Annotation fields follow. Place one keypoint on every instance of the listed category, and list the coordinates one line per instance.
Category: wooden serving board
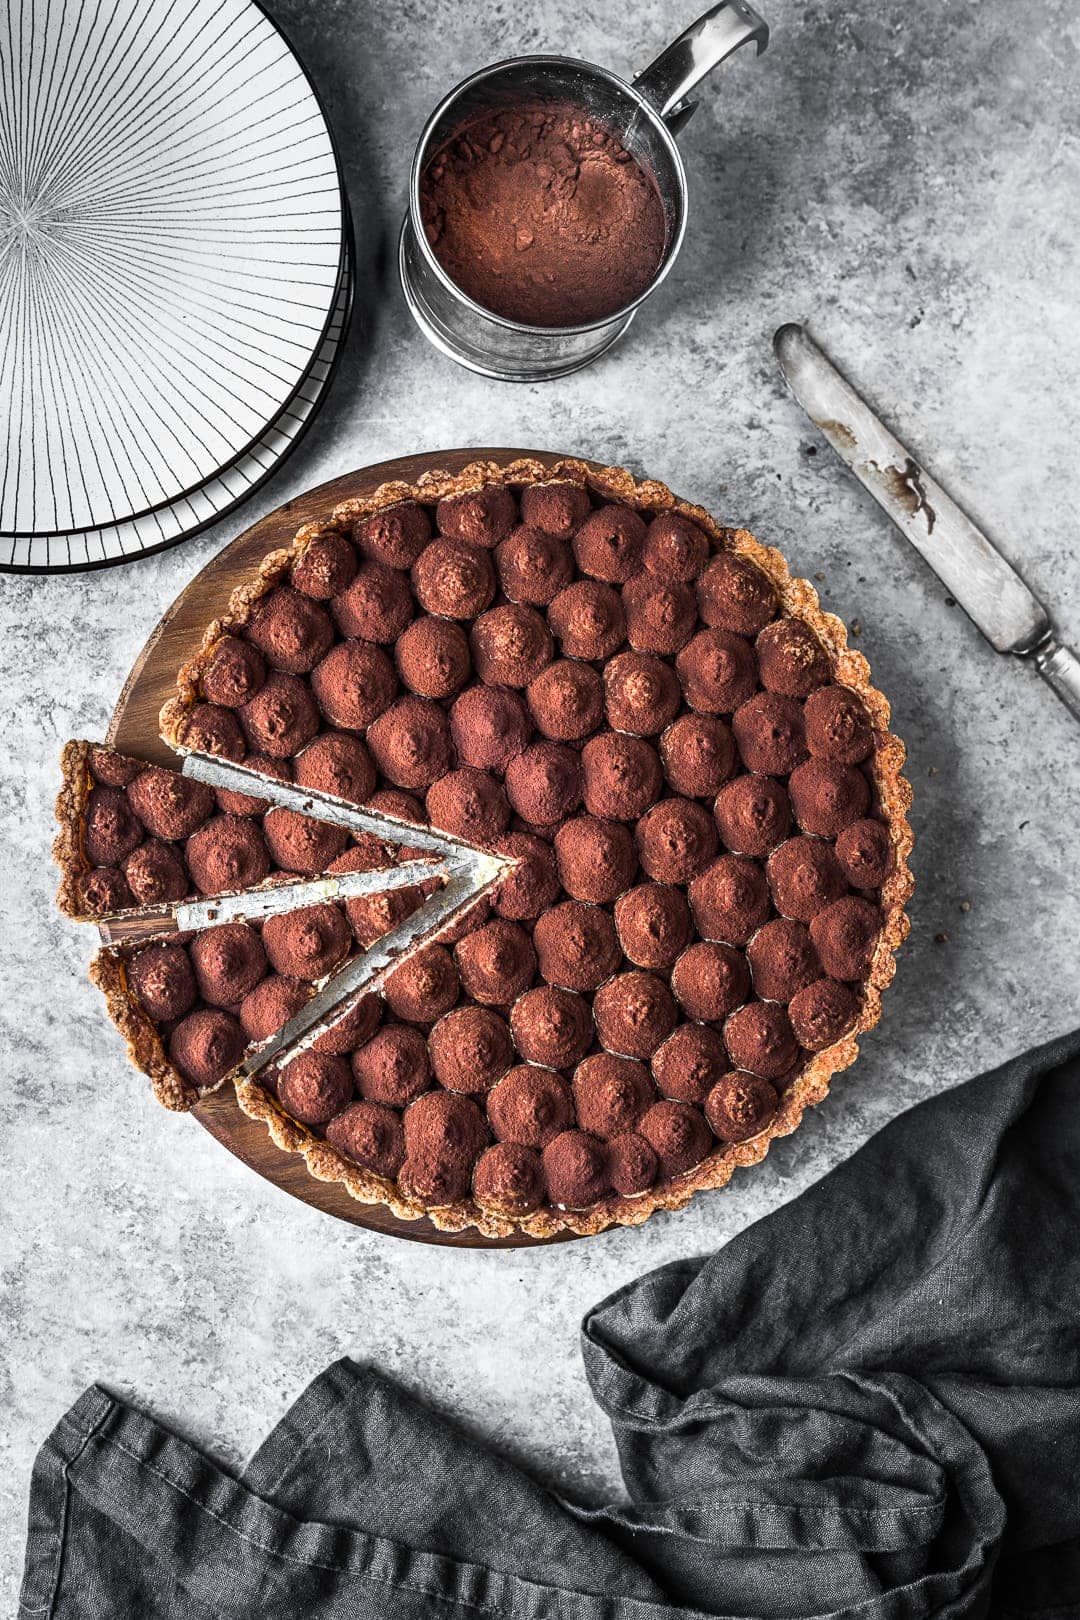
(134, 729)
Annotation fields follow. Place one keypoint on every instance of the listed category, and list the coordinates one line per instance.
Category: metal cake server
(989, 589)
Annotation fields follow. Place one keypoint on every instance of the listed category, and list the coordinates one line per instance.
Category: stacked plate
(175, 276)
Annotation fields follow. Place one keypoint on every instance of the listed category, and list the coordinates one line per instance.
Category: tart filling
(694, 777)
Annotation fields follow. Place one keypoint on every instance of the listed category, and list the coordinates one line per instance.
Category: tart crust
(798, 599)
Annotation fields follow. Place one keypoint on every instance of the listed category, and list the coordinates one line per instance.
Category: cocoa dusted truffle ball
(373, 915)
(103, 890)
(640, 692)
(227, 852)
(551, 1027)
(509, 1179)
(470, 1049)
(661, 615)
(411, 743)
(698, 753)
(354, 684)
(481, 518)
(770, 733)
(533, 885)
(433, 658)
(214, 730)
(791, 659)
(229, 961)
(169, 805)
(588, 619)
(845, 935)
(510, 645)
(611, 1094)
(243, 804)
(233, 673)
(544, 783)
(718, 671)
(271, 1004)
(621, 776)
(782, 959)
(489, 725)
(753, 814)
(653, 924)
(111, 828)
(110, 769)
(282, 716)
(496, 963)
(634, 1012)
(393, 1067)
(730, 900)
(455, 581)
(290, 630)
(309, 943)
(351, 1029)
(804, 877)
(740, 1106)
(837, 725)
(155, 874)
(567, 700)
(337, 763)
(556, 507)
(632, 1164)
(675, 548)
(530, 1105)
(315, 1086)
(371, 1135)
(205, 1045)
(610, 544)
(325, 567)
(596, 859)
(424, 987)
(734, 595)
(299, 844)
(533, 566)
(676, 840)
(163, 981)
(447, 1126)
(435, 1182)
(376, 606)
(576, 946)
(711, 980)
(469, 803)
(864, 851)
(759, 1037)
(822, 1012)
(690, 1063)
(827, 797)
(395, 536)
(403, 806)
(576, 1169)
(678, 1135)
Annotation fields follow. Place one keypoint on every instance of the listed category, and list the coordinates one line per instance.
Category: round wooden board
(134, 729)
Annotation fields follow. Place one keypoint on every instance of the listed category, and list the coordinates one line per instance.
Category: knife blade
(988, 588)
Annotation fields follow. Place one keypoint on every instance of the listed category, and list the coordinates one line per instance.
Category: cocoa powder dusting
(538, 213)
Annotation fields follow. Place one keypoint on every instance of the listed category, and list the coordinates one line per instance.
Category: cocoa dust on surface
(540, 214)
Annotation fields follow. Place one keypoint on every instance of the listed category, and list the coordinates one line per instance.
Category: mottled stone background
(903, 178)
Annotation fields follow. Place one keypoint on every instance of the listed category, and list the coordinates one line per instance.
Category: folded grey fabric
(867, 1405)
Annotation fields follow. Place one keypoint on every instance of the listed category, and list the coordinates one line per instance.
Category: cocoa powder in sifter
(540, 214)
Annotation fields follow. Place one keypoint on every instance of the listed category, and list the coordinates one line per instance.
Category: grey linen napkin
(867, 1405)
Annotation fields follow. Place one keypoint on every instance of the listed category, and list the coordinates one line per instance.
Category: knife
(989, 589)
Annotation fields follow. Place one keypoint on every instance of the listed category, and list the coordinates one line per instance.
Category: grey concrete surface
(905, 179)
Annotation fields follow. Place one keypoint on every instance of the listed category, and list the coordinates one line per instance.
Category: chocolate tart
(678, 737)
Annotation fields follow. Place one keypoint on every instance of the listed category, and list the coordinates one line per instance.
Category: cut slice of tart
(695, 776)
(199, 976)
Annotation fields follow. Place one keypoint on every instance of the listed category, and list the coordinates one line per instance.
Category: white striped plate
(172, 235)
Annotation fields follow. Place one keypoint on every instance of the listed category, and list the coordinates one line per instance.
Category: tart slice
(694, 775)
(200, 973)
